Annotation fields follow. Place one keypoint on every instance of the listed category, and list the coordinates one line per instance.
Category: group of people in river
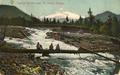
(51, 47)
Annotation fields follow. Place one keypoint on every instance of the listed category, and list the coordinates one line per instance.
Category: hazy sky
(46, 7)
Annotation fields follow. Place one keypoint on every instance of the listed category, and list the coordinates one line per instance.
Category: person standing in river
(58, 47)
(39, 46)
(51, 47)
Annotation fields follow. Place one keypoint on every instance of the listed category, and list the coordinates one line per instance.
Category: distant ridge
(9, 11)
(104, 16)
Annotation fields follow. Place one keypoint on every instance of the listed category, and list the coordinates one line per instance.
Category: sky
(46, 7)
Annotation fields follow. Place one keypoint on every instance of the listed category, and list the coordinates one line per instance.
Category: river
(83, 64)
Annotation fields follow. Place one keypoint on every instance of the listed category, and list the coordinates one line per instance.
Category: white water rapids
(88, 64)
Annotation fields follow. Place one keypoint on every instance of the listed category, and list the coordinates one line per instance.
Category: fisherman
(58, 47)
(51, 47)
(39, 46)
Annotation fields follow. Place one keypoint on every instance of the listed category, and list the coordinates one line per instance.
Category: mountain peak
(104, 16)
(109, 13)
(64, 14)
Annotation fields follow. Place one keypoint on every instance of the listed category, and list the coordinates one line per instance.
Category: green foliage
(95, 28)
(104, 29)
(115, 28)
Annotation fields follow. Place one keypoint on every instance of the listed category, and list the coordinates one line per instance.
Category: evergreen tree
(86, 22)
(91, 17)
(109, 24)
(80, 20)
(47, 21)
(72, 22)
(115, 28)
(58, 21)
(54, 21)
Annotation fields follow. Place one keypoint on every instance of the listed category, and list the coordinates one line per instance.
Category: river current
(83, 64)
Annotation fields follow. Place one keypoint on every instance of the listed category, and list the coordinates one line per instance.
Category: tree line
(110, 27)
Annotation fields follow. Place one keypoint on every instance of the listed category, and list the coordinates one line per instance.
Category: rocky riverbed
(87, 40)
(22, 64)
(70, 64)
(93, 42)
(26, 64)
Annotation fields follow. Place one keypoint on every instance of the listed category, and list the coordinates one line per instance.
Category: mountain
(8, 11)
(104, 16)
(63, 15)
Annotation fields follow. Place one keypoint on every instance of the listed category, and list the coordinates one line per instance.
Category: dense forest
(110, 27)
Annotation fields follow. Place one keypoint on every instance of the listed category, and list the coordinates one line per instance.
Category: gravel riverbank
(26, 64)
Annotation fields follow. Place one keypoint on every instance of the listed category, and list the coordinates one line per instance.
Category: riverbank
(26, 64)
(14, 31)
